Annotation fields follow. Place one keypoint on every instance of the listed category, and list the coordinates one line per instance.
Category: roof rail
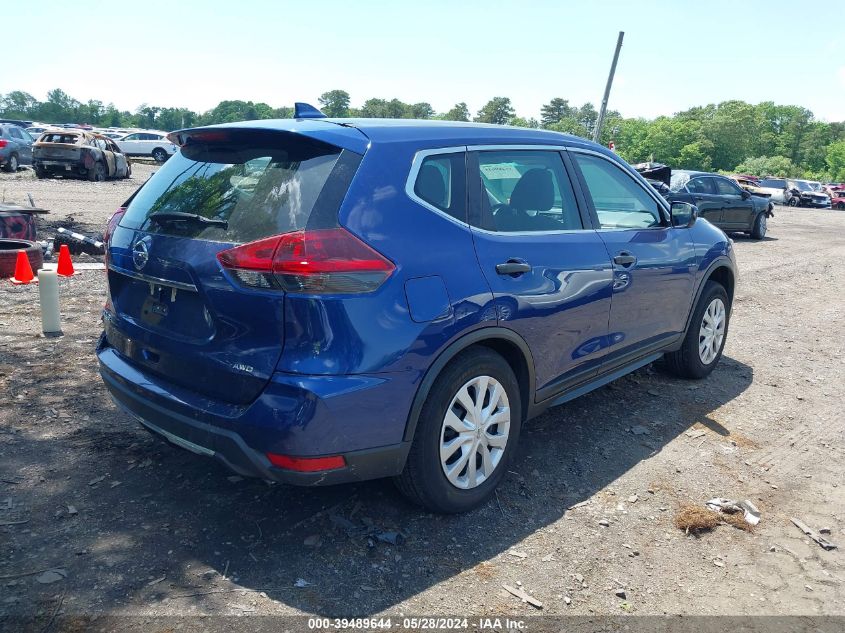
(306, 111)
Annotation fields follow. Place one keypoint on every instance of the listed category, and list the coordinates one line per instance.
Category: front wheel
(840, 206)
(466, 434)
(706, 336)
(159, 155)
(793, 202)
(758, 230)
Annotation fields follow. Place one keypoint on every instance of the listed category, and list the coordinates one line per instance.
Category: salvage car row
(76, 152)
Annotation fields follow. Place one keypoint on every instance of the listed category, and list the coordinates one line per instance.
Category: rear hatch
(57, 146)
(176, 310)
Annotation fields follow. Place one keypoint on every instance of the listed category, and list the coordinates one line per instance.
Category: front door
(653, 262)
(550, 276)
(706, 197)
(737, 205)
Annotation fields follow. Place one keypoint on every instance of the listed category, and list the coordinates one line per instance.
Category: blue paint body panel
(198, 356)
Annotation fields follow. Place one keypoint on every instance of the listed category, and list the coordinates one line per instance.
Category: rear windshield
(251, 185)
(60, 138)
(773, 183)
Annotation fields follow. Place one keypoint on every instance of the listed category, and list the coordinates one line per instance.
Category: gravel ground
(584, 521)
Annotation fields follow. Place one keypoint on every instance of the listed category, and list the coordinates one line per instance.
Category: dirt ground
(583, 522)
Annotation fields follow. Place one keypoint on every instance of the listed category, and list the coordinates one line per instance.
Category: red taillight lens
(112, 224)
(325, 261)
(307, 464)
(3, 143)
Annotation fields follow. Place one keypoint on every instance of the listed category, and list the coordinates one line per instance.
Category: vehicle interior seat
(534, 191)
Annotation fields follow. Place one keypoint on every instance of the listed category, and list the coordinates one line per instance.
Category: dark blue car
(317, 301)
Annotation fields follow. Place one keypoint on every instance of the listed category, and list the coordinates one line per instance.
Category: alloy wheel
(712, 331)
(474, 433)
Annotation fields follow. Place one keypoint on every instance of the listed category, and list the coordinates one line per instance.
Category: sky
(195, 53)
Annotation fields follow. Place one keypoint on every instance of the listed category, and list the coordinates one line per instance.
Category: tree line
(734, 136)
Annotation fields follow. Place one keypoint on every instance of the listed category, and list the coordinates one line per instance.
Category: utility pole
(600, 120)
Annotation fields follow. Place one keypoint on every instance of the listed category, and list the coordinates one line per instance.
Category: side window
(15, 133)
(726, 188)
(131, 137)
(441, 182)
(525, 191)
(702, 185)
(620, 202)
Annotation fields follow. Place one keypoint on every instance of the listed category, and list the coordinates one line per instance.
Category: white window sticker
(500, 171)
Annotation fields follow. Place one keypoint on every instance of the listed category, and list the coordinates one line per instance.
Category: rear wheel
(97, 173)
(12, 163)
(706, 336)
(40, 172)
(840, 205)
(758, 231)
(159, 155)
(466, 434)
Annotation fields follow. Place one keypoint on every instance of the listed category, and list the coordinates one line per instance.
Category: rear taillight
(112, 224)
(323, 261)
(3, 143)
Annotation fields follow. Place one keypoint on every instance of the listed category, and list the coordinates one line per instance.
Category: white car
(148, 143)
(777, 188)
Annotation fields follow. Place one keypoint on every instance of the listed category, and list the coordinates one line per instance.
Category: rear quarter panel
(375, 332)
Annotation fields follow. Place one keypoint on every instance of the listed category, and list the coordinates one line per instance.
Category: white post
(48, 294)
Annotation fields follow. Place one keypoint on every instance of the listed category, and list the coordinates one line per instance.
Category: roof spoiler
(306, 111)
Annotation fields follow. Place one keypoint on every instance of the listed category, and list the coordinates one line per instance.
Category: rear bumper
(279, 421)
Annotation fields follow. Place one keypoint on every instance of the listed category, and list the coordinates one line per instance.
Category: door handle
(626, 260)
(513, 267)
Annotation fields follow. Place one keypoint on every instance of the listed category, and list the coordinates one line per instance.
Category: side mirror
(746, 194)
(683, 214)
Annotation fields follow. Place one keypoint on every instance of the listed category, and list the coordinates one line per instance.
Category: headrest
(535, 191)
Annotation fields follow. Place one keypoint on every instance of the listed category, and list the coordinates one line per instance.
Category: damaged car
(79, 154)
(721, 201)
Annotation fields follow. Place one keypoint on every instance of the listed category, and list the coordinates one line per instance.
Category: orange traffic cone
(65, 267)
(23, 271)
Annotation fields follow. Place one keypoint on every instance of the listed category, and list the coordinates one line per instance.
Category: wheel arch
(505, 342)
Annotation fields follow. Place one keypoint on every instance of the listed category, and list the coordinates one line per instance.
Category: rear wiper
(165, 217)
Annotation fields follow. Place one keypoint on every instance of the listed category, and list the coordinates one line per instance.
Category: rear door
(737, 208)
(653, 263)
(547, 268)
(176, 312)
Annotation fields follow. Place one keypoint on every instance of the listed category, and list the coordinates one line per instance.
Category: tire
(11, 164)
(793, 202)
(840, 206)
(689, 362)
(41, 173)
(97, 173)
(9, 255)
(758, 230)
(159, 155)
(424, 480)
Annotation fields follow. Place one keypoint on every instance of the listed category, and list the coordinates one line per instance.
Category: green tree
(498, 110)
(554, 111)
(518, 121)
(835, 160)
(570, 125)
(421, 110)
(335, 103)
(460, 112)
(18, 105)
(779, 166)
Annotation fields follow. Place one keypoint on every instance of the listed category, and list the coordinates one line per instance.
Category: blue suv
(317, 301)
